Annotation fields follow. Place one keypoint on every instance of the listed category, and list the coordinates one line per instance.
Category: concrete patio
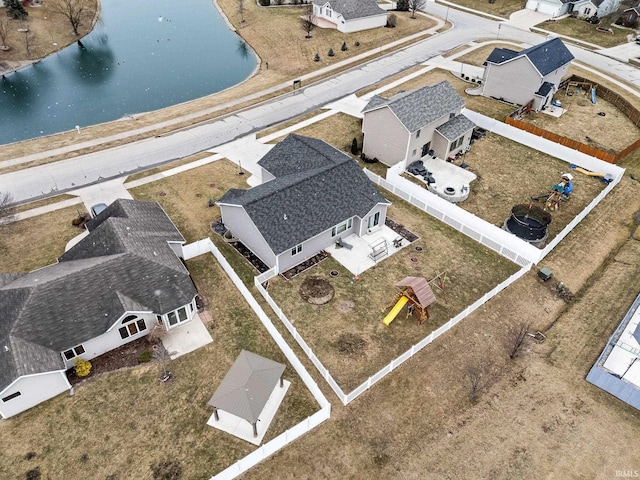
(241, 428)
(186, 338)
(452, 182)
(357, 259)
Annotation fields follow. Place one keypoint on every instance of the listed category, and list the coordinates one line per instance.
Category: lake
(141, 56)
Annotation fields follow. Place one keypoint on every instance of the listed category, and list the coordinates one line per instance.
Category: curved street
(53, 178)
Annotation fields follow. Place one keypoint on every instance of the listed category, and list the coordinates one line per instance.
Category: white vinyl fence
(347, 398)
(269, 448)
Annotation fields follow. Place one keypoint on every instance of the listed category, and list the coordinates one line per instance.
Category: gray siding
(385, 138)
(34, 389)
(515, 81)
(309, 249)
(238, 221)
(357, 25)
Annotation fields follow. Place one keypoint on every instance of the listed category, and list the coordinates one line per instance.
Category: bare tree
(475, 373)
(7, 210)
(415, 5)
(517, 339)
(76, 11)
(4, 32)
(28, 36)
(308, 21)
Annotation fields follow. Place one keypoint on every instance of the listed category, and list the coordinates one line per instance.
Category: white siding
(238, 221)
(514, 81)
(385, 138)
(34, 389)
(359, 24)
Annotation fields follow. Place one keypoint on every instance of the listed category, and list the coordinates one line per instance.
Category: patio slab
(357, 259)
(242, 429)
(448, 176)
(186, 338)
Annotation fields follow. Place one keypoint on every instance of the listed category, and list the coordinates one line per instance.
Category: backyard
(348, 335)
(126, 424)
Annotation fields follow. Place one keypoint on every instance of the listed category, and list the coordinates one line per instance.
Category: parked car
(97, 208)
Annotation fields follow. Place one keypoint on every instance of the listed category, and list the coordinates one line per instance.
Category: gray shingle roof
(455, 128)
(120, 266)
(247, 386)
(418, 108)
(546, 56)
(352, 9)
(304, 202)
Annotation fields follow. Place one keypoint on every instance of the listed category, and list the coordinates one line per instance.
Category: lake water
(141, 56)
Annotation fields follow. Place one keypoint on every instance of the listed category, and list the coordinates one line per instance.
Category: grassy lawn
(510, 173)
(587, 32)
(46, 201)
(478, 56)
(501, 8)
(582, 122)
(185, 196)
(37, 242)
(123, 422)
(168, 166)
(358, 308)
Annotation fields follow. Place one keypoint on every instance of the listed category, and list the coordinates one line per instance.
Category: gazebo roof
(247, 386)
(420, 288)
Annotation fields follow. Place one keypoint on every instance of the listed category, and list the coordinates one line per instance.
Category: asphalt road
(92, 168)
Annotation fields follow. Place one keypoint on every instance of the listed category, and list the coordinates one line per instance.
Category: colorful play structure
(604, 177)
(415, 291)
(559, 192)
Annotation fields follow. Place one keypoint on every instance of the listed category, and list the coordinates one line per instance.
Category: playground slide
(395, 310)
(593, 96)
(589, 173)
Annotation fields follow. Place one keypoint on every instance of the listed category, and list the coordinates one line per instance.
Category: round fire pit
(334, 273)
(418, 249)
(449, 190)
(316, 291)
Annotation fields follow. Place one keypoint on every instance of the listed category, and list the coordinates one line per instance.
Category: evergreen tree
(15, 9)
(402, 5)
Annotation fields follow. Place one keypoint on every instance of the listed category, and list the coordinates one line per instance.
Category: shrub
(392, 20)
(344, 47)
(145, 357)
(264, 3)
(82, 367)
(316, 58)
(357, 44)
(330, 53)
(354, 146)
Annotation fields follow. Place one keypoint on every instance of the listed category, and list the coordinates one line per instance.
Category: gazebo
(247, 387)
(419, 294)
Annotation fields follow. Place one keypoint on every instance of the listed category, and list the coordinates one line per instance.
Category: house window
(11, 397)
(73, 352)
(132, 325)
(457, 143)
(177, 316)
(418, 134)
(374, 220)
(587, 11)
(296, 250)
(341, 227)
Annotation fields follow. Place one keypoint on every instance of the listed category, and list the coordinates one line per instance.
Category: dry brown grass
(478, 56)
(36, 242)
(510, 173)
(168, 166)
(501, 8)
(359, 307)
(45, 29)
(125, 421)
(587, 32)
(45, 201)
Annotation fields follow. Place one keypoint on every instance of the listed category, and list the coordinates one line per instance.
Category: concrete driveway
(525, 19)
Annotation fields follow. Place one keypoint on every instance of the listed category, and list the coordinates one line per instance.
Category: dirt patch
(345, 306)
(350, 344)
(316, 291)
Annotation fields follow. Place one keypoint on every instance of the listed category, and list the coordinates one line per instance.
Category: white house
(411, 125)
(349, 15)
(312, 196)
(109, 289)
(530, 75)
(581, 8)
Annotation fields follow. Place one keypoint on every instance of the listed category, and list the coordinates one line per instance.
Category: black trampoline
(529, 223)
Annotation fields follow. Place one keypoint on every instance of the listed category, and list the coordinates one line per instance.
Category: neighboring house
(530, 75)
(109, 289)
(630, 16)
(411, 125)
(349, 15)
(313, 195)
(581, 8)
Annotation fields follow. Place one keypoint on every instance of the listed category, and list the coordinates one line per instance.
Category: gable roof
(545, 57)
(418, 108)
(317, 187)
(353, 9)
(124, 264)
(247, 386)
